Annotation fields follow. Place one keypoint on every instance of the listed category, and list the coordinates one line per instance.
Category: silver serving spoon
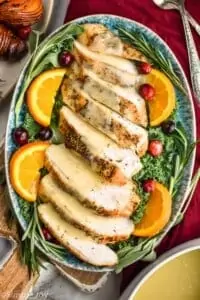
(173, 4)
(194, 61)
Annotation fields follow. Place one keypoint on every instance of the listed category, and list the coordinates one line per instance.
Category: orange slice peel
(164, 102)
(24, 168)
(157, 213)
(41, 95)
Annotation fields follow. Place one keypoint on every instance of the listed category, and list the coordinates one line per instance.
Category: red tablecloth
(168, 25)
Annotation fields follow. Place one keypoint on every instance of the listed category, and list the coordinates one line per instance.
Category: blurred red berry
(145, 68)
(20, 136)
(147, 91)
(155, 148)
(24, 32)
(47, 234)
(65, 58)
(148, 185)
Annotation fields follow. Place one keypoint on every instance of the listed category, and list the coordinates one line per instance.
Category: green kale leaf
(43, 171)
(25, 209)
(31, 126)
(157, 168)
(139, 213)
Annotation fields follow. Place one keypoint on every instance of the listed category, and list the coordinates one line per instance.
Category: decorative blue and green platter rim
(186, 115)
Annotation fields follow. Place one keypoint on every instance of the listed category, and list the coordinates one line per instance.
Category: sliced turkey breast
(98, 38)
(105, 229)
(79, 180)
(123, 99)
(112, 74)
(122, 131)
(112, 60)
(75, 240)
(109, 58)
(114, 163)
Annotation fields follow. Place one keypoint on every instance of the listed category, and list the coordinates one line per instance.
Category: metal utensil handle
(192, 54)
(175, 5)
(193, 22)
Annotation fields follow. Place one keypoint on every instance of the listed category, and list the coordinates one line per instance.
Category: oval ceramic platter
(185, 114)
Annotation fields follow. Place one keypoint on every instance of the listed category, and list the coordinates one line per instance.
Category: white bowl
(167, 257)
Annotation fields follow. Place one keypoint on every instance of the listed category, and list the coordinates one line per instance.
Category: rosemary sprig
(181, 159)
(29, 252)
(31, 239)
(155, 56)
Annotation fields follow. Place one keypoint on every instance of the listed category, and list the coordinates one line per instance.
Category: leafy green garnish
(25, 209)
(43, 172)
(31, 126)
(46, 56)
(129, 254)
(154, 55)
(166, 170)
(158, 168)
(132, 241)
(62, 40)
(56, 110)
(139, 213)
(151, 256)
(57, 136)
(33, 237)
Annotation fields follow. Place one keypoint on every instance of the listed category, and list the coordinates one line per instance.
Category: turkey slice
(114, 163)
(75, 240)
(105, 229)
(80, 181)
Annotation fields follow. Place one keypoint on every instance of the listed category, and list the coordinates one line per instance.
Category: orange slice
(161, 107)
(157, 214)
(41, 94)
(24, 169)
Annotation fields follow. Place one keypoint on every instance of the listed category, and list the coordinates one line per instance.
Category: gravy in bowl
(176, 280)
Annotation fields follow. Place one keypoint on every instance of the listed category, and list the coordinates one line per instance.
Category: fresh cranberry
(20, 136)
(147, 91)
(168, 127)
(155, 148)
(24, 32)
(47, 234)
(148, 185)
(65, 58)
(45, 133)
(145, 68)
